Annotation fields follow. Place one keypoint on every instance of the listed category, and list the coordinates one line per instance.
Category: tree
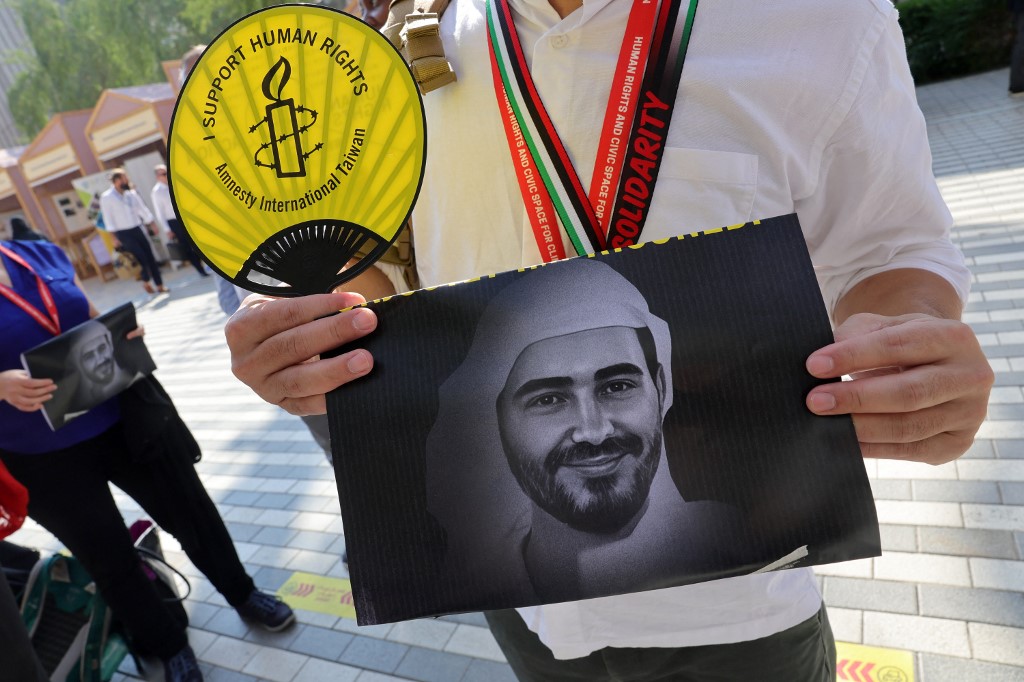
(82, 47)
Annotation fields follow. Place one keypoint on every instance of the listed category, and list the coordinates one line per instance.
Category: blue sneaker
(183, 667)
(267, 610)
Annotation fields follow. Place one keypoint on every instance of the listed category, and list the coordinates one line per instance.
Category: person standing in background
(1017, 56)
(124, 214)
(168, 218)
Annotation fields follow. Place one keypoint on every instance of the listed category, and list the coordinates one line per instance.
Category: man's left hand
(919, 388)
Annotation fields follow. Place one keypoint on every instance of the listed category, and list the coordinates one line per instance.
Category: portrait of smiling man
(550, 431)
(99, 374)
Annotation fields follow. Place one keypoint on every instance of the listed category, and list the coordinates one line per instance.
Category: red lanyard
(51, 323)
(622, 101)
(629, 152)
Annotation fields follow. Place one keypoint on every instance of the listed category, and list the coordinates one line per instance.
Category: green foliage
(82, 47)
(212, 16)
(948, 38)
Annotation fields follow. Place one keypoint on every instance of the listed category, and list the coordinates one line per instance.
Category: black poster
(597, 426)
(90, 363)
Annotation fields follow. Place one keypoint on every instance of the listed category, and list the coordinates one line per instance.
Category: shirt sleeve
(158, 206)
(876, 205)
(140, 208)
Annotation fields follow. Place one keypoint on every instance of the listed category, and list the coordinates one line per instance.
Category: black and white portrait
(553, 427)
(90, 363)
(596, 426)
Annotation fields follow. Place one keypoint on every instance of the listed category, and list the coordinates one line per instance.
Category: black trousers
(70, 497)
(1017, 56)
(187, 246)
(804, 653)
(135, 241)
(16, 652)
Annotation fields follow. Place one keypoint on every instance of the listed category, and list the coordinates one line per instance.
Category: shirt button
(559, 41)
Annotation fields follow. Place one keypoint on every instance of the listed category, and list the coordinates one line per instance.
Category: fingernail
(364, 320)
(819, 365)
(821, 402)
(359, 362)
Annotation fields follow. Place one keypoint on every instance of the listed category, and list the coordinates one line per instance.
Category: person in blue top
(67, 471)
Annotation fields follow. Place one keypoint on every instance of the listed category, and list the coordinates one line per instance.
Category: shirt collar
(542, 14)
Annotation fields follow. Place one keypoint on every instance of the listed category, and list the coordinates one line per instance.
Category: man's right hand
(276, 343)
(24, 392)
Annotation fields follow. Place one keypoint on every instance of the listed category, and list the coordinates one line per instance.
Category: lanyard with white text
(536, 148)
(51, 323)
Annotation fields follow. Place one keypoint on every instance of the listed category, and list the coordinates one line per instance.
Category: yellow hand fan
(297, 140)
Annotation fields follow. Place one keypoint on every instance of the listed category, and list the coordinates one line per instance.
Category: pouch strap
(413, 27)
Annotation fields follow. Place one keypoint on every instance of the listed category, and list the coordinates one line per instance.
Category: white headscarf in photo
(470, 488)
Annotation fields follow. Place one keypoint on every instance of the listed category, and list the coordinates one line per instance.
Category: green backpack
(70, 624)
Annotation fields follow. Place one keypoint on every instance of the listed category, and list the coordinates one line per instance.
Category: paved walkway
(949, 587)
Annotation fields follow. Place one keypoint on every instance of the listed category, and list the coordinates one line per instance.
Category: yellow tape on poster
(311, 592)
(297, 140)
(858, 663)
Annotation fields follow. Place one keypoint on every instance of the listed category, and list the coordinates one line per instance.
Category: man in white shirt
(803, 106)
(165, 215)
(124, 214)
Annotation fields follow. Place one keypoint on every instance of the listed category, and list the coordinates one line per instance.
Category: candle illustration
(285, 131)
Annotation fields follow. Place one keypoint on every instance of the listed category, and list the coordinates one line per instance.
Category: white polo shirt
(802, 106)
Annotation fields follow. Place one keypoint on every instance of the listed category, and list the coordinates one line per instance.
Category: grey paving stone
(994, 544)
(935, 668)
(427, 665)
(467, 618)
(337, 548)
(980, 306)
(1019, 538)
(275, 501)
(1010, 449)
(956, 491)
(1008, 350)
(227, 622)
(890, 489)
(1012, 492)
(979, 605)
(273, 535)
(199, 612)
(212, 673)
(312, 540)
(242, 532)
(898, 538)
(313, 473)
(313, 503)
(304, 447)
(1011, 411)
(872, 595)
(488, 671)
(321, 642)
(375, 654)
(1009, 379)
(1001, 325)
(268, 578)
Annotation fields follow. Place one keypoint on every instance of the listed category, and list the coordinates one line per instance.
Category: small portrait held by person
(854, 164)
(124, 215)
(94, 368)
(135, 440)
(168, 219)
